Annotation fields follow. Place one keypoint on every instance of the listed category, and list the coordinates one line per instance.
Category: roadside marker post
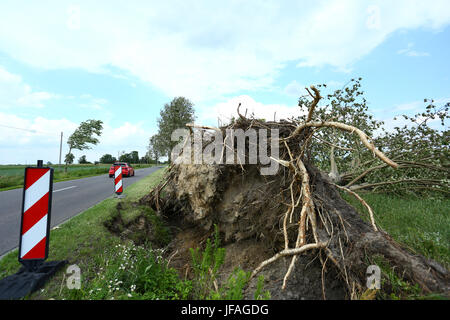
(34, 235)
(35, 220)
(118, 182)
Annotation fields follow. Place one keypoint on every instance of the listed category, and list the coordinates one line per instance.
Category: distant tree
(84, 136)
(134, 157)
(126, 157)
(107, 158)
(82, 160)
(174, 115)
(154, 148)
(69, 159)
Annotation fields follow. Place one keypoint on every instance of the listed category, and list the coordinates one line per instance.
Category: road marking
(64, 189)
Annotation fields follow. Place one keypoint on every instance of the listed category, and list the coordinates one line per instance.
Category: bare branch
(372, 220)
(289, 252)
(370, 185)
(316, 100)
(196, 126)
(351, 129)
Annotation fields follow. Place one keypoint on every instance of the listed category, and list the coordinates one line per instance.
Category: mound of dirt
(137, 223)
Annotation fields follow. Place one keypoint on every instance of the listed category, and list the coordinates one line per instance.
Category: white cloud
(408, 51)
(205, 50)
(225, 111)
(90, 102)
(294, 89)
(414, 53)
(27, 140)
(16, 93)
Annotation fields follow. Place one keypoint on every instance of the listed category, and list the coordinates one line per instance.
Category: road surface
(69, 199)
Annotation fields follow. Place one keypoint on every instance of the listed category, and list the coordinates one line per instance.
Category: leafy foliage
(206, 265)
(173, 116)
(69, 158)
(132, 157)
(133, 272)
(346, 105)
(154, 148)
(84, 136)
(107, 158)
(82, 160)
(420, 149)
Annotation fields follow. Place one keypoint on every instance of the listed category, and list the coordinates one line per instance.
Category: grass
(11, 176)
(421, 224)
(84, 239)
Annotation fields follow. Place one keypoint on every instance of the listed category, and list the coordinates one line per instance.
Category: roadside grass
(420, 224)
(83, 240)
(423, 225)
(11, 176)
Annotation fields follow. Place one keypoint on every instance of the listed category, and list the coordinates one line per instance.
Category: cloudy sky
(63, 62)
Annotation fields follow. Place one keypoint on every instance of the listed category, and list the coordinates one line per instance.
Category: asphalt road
(69, 199)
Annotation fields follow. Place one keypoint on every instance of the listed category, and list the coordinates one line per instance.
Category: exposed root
(288, 252)
(369, 209)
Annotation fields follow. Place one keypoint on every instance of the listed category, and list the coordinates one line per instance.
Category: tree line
(173, 115)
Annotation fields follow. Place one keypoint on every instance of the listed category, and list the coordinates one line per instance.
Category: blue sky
(65, 62)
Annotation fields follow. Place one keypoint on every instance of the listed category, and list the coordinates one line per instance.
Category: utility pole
(60, 148)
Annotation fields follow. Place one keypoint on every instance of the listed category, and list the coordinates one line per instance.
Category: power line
(29, 130)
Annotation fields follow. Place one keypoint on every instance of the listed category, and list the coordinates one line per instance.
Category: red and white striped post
(118, 184)
(36, 209)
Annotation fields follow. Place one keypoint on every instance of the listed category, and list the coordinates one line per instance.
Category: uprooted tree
(295, 218)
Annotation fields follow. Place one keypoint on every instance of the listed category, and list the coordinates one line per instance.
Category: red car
(127, 170)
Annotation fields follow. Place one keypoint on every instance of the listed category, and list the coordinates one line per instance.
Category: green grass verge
(11, 176)
(421, 224)
(83, 240)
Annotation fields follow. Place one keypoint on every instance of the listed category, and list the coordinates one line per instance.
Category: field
(11, 176)
(420, 224)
